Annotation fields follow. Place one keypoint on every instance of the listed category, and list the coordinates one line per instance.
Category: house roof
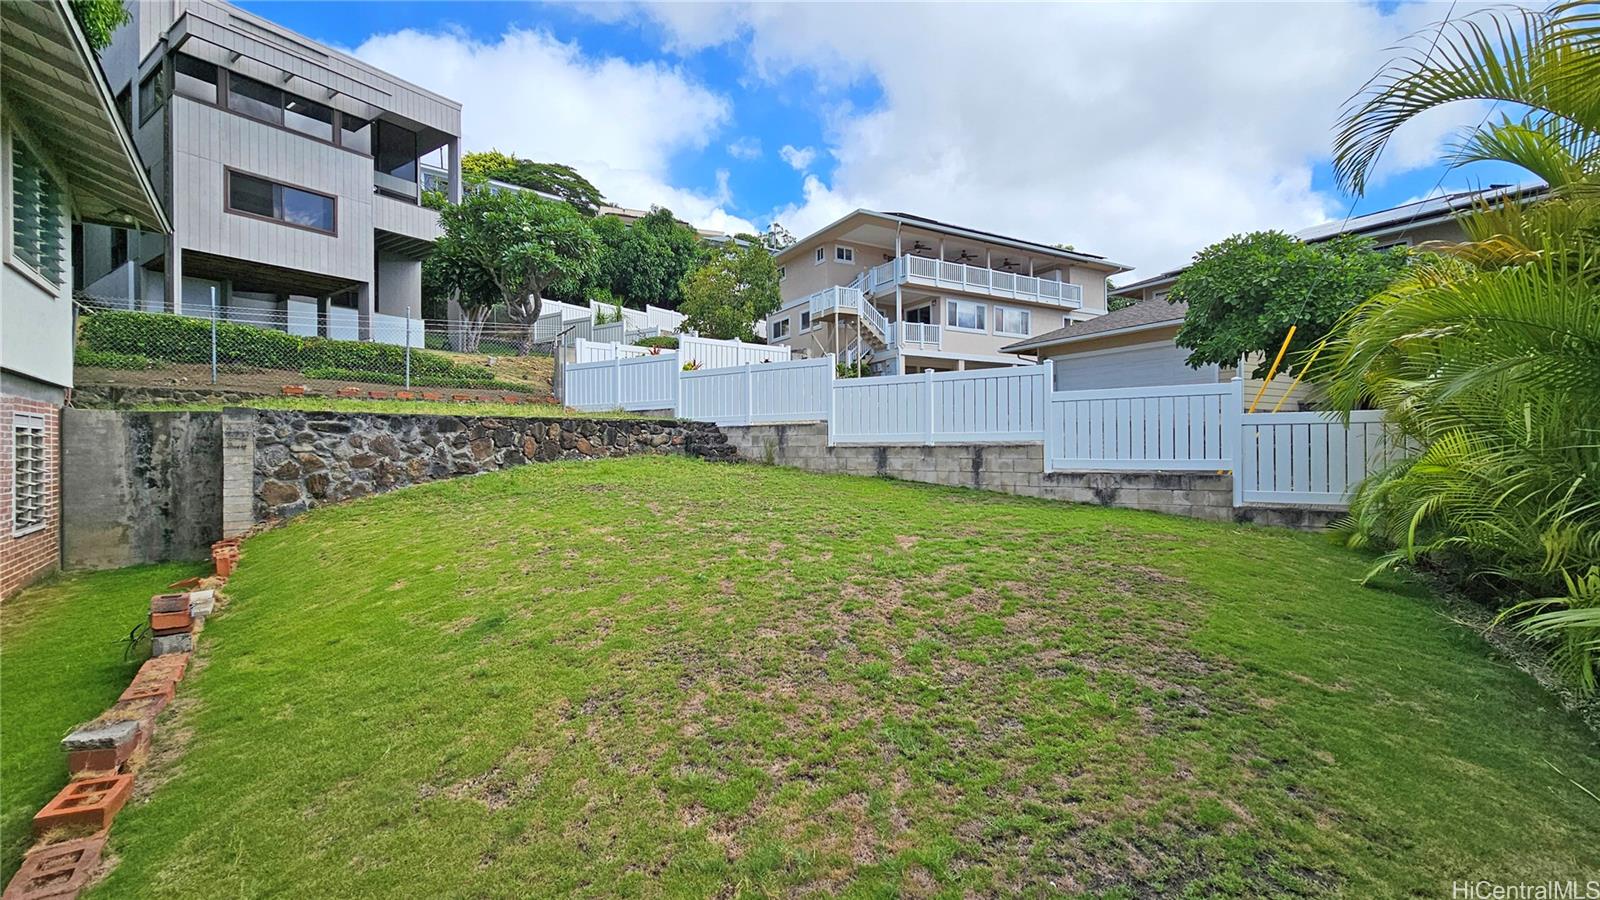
(53, 84)
(1395, 220)
(1131, 318)
(986, 236)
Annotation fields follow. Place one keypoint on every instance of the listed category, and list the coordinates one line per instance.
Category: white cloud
(617, 122)
(1140, 131)
(799, 158)
(745, 148)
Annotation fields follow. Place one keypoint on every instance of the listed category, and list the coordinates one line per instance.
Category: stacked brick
(104, 756)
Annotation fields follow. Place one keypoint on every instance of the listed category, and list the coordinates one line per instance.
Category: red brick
(347, 392)
(58, 870)
(91, 803)
(404, 395)
(172, 622)
(168, 603)
(186, 584)
(432, 395)
(294, 390)
(378, 395)
(165, 668)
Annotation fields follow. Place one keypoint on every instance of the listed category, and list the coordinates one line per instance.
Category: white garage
(1136, 365)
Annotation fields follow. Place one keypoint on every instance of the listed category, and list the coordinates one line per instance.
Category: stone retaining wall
(1014, 469)
(301, 460)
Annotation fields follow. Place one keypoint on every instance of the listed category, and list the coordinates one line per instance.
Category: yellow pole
(1272, 371)
(1299, 375)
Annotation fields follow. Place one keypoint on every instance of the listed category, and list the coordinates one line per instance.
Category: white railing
(976, 279)
(1176, 427)
(848, 299)
(712, 353)
(922, 334)
(1308, 457)
(987, 406)
(796, 391)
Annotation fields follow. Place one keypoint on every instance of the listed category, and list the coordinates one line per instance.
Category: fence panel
(1308, 458)
(1173, 427)
(890, 409)
(592, 351)
(633, 383)
(989, 405)
(775, 392)
(719, 354)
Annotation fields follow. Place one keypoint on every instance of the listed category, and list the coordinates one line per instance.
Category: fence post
(616, 366)
(927, 393)
(749, 394)
(213, 334)
(677, 386)
(1233, 435)
(1049, 376)
(408, 347)
(833, 396)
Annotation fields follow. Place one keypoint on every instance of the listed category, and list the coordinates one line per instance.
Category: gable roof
(1133, 317)
(52, 82)
(917, 221)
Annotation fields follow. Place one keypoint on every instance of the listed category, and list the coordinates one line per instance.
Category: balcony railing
(971, 279)
(920, 335)
(848, 300)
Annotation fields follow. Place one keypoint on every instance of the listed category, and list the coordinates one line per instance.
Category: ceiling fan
(966, 255)
(920, 247)
(1007, 264)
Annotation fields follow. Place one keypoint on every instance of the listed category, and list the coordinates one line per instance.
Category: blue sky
(1112, 128)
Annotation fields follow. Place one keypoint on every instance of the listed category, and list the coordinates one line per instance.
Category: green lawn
(665, 677)
(62, 662)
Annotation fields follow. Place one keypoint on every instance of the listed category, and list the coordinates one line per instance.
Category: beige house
(1134, 346)
(905, 293)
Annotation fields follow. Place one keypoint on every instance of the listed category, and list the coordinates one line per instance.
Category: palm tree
(1487, 354)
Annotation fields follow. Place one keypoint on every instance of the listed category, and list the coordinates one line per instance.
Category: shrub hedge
(110, 359)
(186, 340)
(664, 341)
(330, 373)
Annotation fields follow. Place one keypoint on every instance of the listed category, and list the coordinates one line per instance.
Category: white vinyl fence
(712, 353)
(585, 350)
(1276, 458)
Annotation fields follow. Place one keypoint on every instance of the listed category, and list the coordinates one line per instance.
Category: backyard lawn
(665, 677)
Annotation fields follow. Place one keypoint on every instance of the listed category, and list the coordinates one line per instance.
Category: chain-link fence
(261, 348)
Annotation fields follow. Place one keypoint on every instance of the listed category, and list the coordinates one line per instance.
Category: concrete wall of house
(36, 332)
(399, 285)
(1013, 469)
(139, 487)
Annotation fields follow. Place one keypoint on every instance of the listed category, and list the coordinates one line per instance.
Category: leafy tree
(646, 261)
(735, 287)
(552, 178)
(1486, 358)
(1245, 292)
(506, 249)
(99, 19)
(777, 237)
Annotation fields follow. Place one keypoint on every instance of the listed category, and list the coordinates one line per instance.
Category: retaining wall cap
(101, 736)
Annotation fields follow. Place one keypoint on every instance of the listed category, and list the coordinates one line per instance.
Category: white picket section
(1190, 427)
(631, 383)
(593, 351)
(1005, 405)
(796, 391)
(711, 353)
(888, 409)
(1311, 458)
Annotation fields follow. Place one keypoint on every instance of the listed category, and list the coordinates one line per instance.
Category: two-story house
(908, 293)
(65, 156)
(292, 173)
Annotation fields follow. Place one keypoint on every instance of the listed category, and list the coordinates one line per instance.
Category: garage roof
(1135, 317)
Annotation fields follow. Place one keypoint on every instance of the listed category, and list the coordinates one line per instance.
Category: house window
(1010, 320)
(922, 315)
(780, 328)
(30, 473)
(194, 78)
(151, 96)
(822, 254)
(38, 238)
(844, 254)
(119, 248)
(781, 273)
(805, 320)
(254, 99)
(397, 152)
(125, 106)
(965, 315)
(355, 134)
(290, 205)
(308, 118)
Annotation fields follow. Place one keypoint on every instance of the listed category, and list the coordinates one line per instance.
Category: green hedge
(664, 341)
(329, 373)
(111, 359)
(186, 340)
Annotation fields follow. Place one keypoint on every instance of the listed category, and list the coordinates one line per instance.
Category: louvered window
(38, 235)
(30, 473)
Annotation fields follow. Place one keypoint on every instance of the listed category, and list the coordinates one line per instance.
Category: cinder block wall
(1012, 469)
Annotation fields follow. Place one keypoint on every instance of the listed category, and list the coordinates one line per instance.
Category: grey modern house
(292, 173)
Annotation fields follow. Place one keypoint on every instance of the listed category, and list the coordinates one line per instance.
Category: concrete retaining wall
(1013, 469)
(139, 487)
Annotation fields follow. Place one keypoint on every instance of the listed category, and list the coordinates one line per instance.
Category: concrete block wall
(1013, 469)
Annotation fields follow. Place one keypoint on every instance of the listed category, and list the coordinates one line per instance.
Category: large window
(1010, 320)
(355, 134)
(31, 473)
(964, 314)
(38, 237)
(396, 152)
(151, 96)
(254, 196)
(779, 329)
(269, 104)
(844, 254)
(194, 78)
(805, 320)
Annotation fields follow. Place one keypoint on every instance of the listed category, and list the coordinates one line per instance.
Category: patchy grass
(397, 407)
(664, 677)
(62, 663)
